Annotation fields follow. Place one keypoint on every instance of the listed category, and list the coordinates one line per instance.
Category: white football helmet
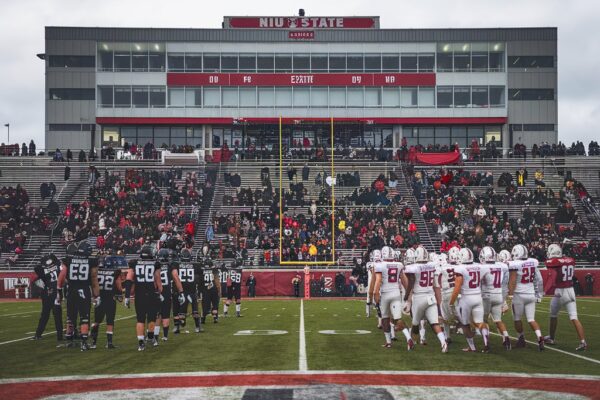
(554, 251)
(519, 252)
(454, 255)
(421, 255)
(504, 256)
(487, 255)
(376, 255)
(443, 259)
(387, 253)
(409, 256)
(397, 255)
(466, 256)
(433, 257)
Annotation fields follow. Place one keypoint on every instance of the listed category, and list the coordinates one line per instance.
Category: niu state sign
(301, 22)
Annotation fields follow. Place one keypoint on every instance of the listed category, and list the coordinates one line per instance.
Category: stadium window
(283, 96)
(193, 62)
(156, 57)
(337, 63)
(105, 57)
(266, 97)
(123, 96)
(444, 97)
(531, 94)
(144, 135)
(122, 57)
(530, 62)
(373, 62)
(408, 62)
(157, 97)
(105, 96)
(373, 97)
(301, 62)
(462, 57)
(442, 135)
(480, 96)
(248, 97)
(444, 57)
(355, 97)
(479, 57)
(247, 62)
(212, 97)
(70, 127)
(318, 62)
(229, 97)
(337, 97)
(161, 136)
(462, 96)
(318, 97)
(426, 97)
(497, 96)
(139, 57)
(265, 63)
(426, 62)
(177, 136)
(139, 97)
(409, 97)
(72, 61)
(72, 94)
(283, 63)
(301, 97)
(474, 132)
(390, 62)
(176, 97)
(211, 62)
(391, 97)
(538, 127)
(355, 63)
(516, 127)
(496, 57)
(175, 62)
(229, 62)
(193, 97)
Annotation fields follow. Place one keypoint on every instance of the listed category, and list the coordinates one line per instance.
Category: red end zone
(35, 389)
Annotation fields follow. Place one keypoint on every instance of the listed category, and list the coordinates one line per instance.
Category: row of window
(532, 127)
(72, 94)
(159, 135)
(531, 94)
(463, 135)
(71, 61)
(71, 127)
(300, 97)
(530, 62)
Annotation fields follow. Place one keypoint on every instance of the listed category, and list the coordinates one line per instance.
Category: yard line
(302, 361)
(50, 333)
(22, 313)
(565, 313)
(555, 349)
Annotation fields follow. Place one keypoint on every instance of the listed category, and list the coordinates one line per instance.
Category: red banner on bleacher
(438, 158)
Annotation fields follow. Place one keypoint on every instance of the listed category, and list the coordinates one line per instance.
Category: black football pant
(47, 307)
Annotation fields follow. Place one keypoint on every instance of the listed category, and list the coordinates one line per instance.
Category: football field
(287, 335)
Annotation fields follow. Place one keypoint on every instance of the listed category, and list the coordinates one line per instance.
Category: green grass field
(219, 349)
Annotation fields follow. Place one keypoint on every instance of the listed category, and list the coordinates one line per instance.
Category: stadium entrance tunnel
(320, 385)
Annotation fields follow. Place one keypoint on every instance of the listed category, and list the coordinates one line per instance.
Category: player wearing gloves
(109, 281)
(47, 277)
(444, 275)
(189, 274)
(169, 272)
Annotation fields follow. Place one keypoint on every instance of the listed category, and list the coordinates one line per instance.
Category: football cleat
(387, 346)
(142, 347)
(216, 320)
(176, 331)
(93, 346)
(36, 337)
(85, 346)
(110, 346)
(469, 350)
(549, 340)
(506, 343)
(226, 314)
(199, 329)
(541, 343)
(582, 347)
(238, 314)
(445, 348)
(486, 349)
(155, 342)
(423, 342)
(410, 344)
(395, 339)
(521, 342)
(164, 338)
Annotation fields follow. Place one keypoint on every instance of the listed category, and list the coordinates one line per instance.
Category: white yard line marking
(302, 361)
(566, 313)
(555, 349)
(52, 333)
(22, 313)
(588, 300)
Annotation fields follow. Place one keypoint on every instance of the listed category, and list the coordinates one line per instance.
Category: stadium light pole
(8, 131)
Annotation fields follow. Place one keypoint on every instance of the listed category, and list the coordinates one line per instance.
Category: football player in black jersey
(47, 277)
(189, 274)
(144, 275)
(81, 272)
(169, 272)
(211, 292)
(234, 289)
(109, 280)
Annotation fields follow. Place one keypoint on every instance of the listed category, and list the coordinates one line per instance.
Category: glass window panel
(122, 61)
(444, 57)
(373, 97)
(175, 61)
(157, 96)
(391, 97)
(301, 97)
(283, 97)
(409, 96)
(193, 97)
(373, 62)
(442, 131)
(462, 57)
(408, 62)
(229, 97)
(211, 62)
(283, 63)
(212, 97)
(427, 133)
(266, 97)
(229, 62)
(301, 62)
(193, 61)
(462, 96)
(480, 96)
(177, 136)
(140, 97)
(444, 97)
(355, 97)
(139, 57)
(318, 62)
(248, 97)
(266, 62)
(176, 97)
(479, 57)
(354, 63)
(105, 57)
(144, 134)
(337, 62)
(390, 62)
(426, 97)
(318, 97)
(459, 132)
(123, 96)
(530, 61)
(337, 97)
(474, 132)
(496, 57)
(407, 132)
(247, 62)
(157, 57)
(497, 96)
(426, 62)
(128, 134)
(105, 96)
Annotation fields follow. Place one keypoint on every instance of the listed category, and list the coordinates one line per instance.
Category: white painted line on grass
(555, 349)
(302, 361)
(566, 313)
(12, 315)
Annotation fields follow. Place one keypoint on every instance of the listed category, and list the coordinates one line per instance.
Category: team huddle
(438, 289)
(164, 285)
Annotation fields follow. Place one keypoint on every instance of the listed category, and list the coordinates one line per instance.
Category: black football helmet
(147, 253)
(72, 249)
(49, 260)
(84, 249)
(164, 255)
(185, 255)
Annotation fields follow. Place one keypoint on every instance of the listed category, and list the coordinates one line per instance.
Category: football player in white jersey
(445, 277)
(425, 294)
(468, 277)
(494, 287)
(525, 287)
(386, 293)
(370, 265)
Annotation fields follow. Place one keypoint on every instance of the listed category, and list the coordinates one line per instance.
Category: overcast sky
(22, 31)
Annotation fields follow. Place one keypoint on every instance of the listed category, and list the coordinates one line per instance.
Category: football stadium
(300, 207)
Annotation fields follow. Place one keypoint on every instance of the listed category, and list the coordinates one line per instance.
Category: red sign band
(301, 22)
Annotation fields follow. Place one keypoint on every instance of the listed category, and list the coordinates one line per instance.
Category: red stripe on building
(295, 120)
(300, 79)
